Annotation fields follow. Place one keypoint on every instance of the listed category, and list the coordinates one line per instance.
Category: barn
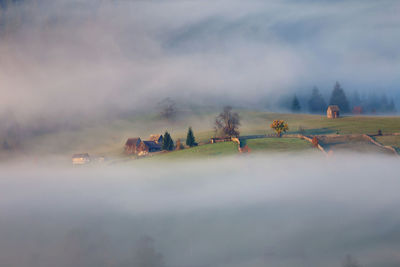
(333, 112)
(146, 147)
(158, 138)
(131, 145)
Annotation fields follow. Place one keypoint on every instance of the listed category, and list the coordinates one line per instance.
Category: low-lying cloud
(245, 211)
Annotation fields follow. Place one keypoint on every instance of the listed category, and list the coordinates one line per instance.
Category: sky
(93, 57)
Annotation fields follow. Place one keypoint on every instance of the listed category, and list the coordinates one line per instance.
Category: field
(316, 124)
(204, 151)
(230, 148)
(107, 138)
(279, 145)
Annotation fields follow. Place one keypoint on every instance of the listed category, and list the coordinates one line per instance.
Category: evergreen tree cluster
(371, 103)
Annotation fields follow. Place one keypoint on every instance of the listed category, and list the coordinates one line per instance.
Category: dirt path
(357, 143)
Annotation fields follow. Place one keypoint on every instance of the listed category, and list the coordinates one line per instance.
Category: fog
(65, 59)
(244, 211)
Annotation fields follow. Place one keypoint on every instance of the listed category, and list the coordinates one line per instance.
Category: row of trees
(169, 145)
(227, 124)
(356, 104)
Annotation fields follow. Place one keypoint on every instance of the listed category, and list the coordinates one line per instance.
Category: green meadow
(108, 138)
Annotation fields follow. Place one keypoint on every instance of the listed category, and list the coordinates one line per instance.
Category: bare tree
(228, 122)
(167, 108)
(349, 261)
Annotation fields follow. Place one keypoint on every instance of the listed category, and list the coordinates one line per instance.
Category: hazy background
(73, 58)
(66, 64)
(273, 211)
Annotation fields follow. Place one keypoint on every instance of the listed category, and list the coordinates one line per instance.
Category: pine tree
(316, 103)
(168, 143)
(295, 104)
(190, 140)
(339, 98)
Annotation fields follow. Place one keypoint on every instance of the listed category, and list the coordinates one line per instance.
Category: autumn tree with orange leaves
(280, 127)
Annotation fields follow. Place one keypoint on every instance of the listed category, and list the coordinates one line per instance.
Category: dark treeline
(372, 103)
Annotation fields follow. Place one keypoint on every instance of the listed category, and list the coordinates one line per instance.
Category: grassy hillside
(108, 137)
(258, 122)
(204, 151)
(265, 145)
(279, 145)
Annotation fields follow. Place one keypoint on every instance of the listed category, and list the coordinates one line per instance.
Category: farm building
(333, 112)
(146, 147)
(158, 138)
(80, 159)
(132, 145)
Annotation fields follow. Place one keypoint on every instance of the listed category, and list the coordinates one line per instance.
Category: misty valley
(209, 133)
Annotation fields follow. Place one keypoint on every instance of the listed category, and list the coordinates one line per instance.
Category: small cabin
(158, 138)
(146, 147)
(80, 159)
(131, 145)
(333, 112)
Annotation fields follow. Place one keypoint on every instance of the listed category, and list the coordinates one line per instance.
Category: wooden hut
(333, 112)
(131, 145)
